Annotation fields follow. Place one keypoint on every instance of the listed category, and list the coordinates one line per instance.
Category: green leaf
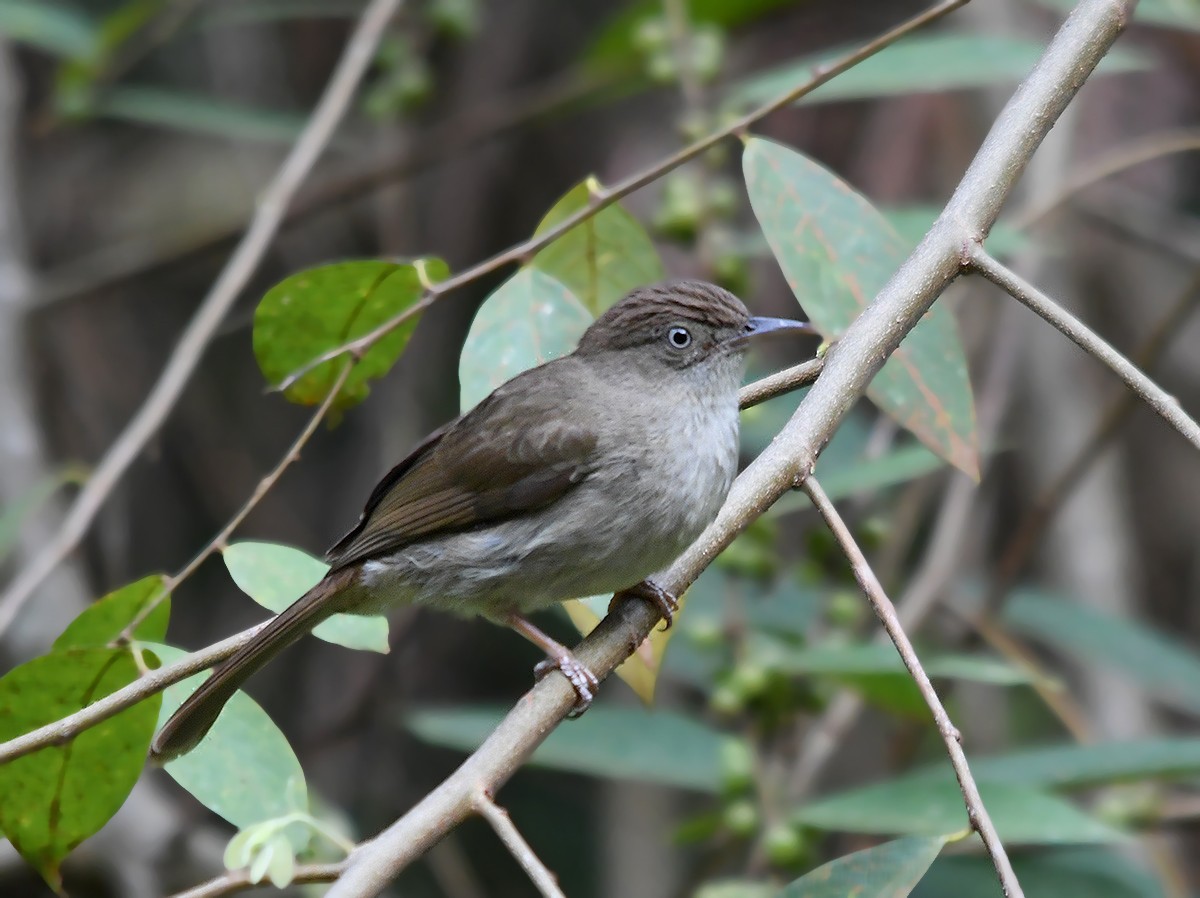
(837, 251)
(876, 658)
(103, 620)
(1082, 766)
(244, 770)
(622, 743)
(275, 576)
(13, 515)
(925, 807)
(53, 799)
(1166, 668)
(320, 309)
(601, 259)
(921, 64)
(877, 672)
(1090, 872)
(912, 223)
(529, 319)
(54, 27)
(890, 870)
(195, 113)
(1167, 13)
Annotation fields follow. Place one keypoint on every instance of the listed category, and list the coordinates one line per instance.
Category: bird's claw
(582, 680)
(648, 590)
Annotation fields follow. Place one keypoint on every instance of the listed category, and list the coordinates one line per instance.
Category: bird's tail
(195, 717)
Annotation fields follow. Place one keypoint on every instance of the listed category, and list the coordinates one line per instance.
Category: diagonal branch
(359, 52)
(501, 822)
(849, 366)
(233, 881)
(1084, 337)
(886, 611)
(68, 727)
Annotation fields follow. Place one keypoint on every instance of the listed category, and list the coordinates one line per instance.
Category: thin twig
(605, 197)
(357, 56)
(976, 812)
(61, 731)
(1127, 155)
(1069, 59)
(1025, 534)
(233, 881)
(501, 822)
(220, 541)
(822, 740)
(1081, 335)
(779, 383)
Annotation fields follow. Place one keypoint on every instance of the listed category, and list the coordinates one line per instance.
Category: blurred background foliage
(1057, 615)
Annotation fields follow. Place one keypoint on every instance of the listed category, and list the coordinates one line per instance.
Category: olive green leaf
(600, 259)
(837, 251)
(53, 799)
(102, 621)
(322, 308)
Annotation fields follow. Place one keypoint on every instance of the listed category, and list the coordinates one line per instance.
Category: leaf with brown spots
(837, 252)
(53, 799)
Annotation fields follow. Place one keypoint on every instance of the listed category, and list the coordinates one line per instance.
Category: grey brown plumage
(533, 497)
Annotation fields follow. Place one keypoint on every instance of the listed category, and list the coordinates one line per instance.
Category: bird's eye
(679, 337)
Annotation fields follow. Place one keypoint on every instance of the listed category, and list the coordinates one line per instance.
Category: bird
(584, 475)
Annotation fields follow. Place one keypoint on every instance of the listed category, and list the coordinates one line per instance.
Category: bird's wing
(477, 470)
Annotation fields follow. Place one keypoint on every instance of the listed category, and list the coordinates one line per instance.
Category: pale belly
(615, 529)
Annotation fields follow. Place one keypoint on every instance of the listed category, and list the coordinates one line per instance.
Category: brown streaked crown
(639, 316)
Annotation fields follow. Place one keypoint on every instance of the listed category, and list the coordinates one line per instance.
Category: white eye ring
(679, 337)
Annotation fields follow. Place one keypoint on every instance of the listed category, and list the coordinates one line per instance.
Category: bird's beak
(758, 326)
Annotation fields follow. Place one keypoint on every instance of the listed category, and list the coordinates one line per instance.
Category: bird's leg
(651, 592)
(558, 657)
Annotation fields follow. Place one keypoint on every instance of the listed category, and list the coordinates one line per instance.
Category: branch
(779, 383)
(1033, 523)
(976, 812)
(233, 881)
(70, 726)
(849, 367)
(1118, 159)
(501, 822)
(220, 541)
(604, 197)
(357, 56)
(61, 731)
(1082, 336)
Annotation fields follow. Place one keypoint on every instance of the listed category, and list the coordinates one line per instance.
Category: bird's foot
(649, 591)
(582, 680)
